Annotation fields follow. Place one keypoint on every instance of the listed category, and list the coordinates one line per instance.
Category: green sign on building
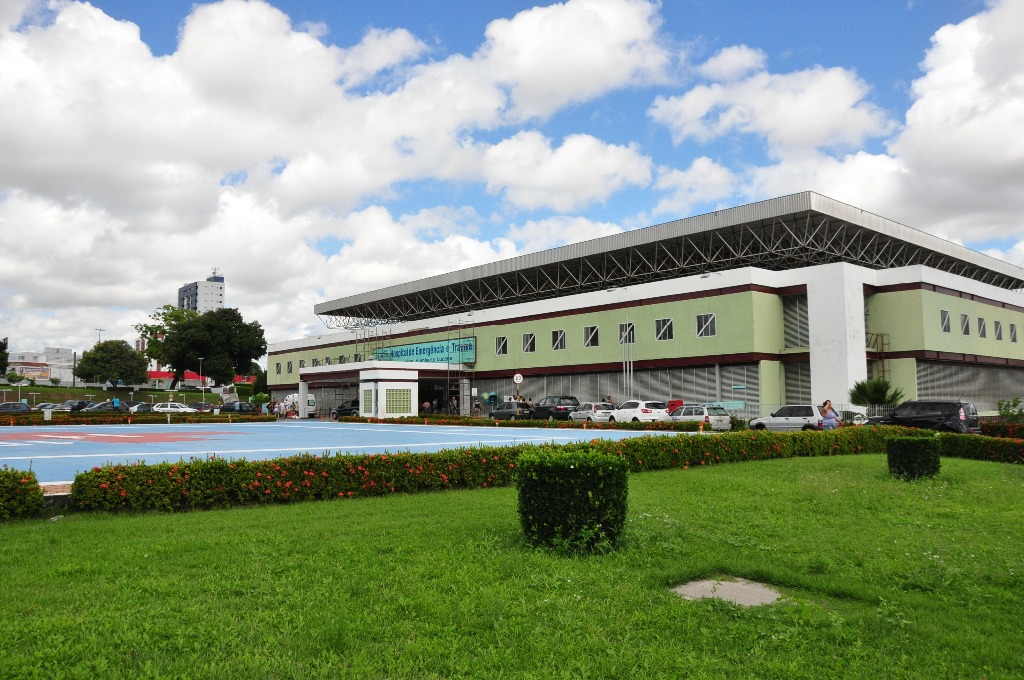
(458, 351)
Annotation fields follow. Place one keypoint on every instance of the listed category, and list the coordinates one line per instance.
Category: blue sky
(311, 150)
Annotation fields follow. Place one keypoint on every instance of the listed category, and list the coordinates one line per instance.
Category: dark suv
(554, 408)
(946, 416)
(346, 409)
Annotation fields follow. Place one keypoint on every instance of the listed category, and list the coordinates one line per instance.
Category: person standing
(116, 403)
(829, 417)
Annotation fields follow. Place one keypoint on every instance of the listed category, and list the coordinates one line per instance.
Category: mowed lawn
(880, 578)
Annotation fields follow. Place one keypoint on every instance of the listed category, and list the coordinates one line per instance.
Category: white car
(172, 407)
(714, 417)
(593, 412)
(639, 411)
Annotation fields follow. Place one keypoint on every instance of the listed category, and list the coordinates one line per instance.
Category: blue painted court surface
(56, 453)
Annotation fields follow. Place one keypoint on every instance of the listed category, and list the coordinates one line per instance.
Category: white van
(293, 399)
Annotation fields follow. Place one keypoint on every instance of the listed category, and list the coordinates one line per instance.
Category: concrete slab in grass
(742, 592)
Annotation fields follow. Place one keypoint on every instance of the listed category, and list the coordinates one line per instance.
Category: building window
(327, 361)
(289, 367)
(501, 345)
(529, 342)
(997, 326)
(663, 329)
(302, 363)
(982, 330)
(590, 336)
(277, 368)
(557, 340)
(627, 334)
(707, 325)
(1013, 332)
(965, 324)
(944, 320)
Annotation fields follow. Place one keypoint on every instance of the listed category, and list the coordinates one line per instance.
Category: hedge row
(470, 421)
(35, 418)
(218, 482)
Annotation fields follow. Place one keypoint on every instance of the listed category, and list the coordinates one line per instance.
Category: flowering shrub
(1002, 428)
(218, 482)
(20, 495)
(111, 418)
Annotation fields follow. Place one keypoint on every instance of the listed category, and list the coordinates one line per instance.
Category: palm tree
(876, 392)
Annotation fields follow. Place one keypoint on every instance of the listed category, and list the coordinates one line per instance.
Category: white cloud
(536, 235)
(733, 62)
(705, 181)
(570, 52)
(581, 171)
(793, 112)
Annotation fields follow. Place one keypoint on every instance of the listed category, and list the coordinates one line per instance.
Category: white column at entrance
(303, 398)
(835, 316)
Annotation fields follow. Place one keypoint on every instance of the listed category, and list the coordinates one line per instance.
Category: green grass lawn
(881, 578)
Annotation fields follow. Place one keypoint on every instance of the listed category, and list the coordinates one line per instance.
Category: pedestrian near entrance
(829, 418)
(426, 408)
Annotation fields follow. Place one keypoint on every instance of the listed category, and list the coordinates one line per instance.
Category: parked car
(172, 407)
(510, 410)
(14, 407)
(107, 406)
(791, 418)
(593, 412)
(555, 408)
(46, 406)
(141, 407)
(240, 407)
(945, 415)
(714, 417)
(74, 405)
(346, 409)
(637, 410)
(201, 407)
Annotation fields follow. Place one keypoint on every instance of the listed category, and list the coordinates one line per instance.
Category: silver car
(593, 412)
(791, 418)
(640, 411)
(714, 417)
(172, 407)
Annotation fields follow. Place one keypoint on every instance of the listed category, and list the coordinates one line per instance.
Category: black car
(240, 407)
(346, 409)
(74, 405)
(942, 415)
(510, 410)
(555, 408)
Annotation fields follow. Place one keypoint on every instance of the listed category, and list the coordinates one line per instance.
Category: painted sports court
(57, 453)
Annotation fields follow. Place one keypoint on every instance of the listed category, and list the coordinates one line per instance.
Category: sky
(311, 150)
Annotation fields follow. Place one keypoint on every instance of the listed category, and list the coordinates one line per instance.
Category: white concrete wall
(835, 317)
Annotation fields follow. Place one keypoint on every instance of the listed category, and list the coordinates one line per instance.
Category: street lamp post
(34, 395)
(99, 334)
(5, 394)
(202, 383)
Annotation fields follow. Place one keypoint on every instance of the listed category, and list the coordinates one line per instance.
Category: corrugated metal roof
(773, 234)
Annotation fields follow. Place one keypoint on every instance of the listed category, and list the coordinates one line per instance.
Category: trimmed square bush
(573, 500)
(913, 457)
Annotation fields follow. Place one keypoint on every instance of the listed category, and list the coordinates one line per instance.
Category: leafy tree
(111, 361)
(228, 345)
(13, 377)
(876, 392)
(3, 356)
(261, 378)
(165, 322)
(55, 381)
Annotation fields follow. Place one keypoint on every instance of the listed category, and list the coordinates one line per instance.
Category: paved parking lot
(56, 453)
